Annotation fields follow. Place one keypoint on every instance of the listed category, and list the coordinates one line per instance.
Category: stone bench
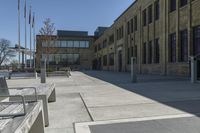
(6, 73)
(45, 92)
(59, 73)
(21, 117)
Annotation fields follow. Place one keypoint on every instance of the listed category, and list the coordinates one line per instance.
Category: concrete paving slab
(145, 110)
(111, 96)
(59, 130)
(68, 109)
(176, 125)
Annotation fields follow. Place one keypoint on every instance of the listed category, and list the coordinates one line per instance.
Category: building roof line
(126, 10)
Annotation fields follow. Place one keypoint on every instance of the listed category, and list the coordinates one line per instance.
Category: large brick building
(66, 49)
(161, 34)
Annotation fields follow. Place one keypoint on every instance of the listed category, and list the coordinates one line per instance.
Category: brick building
(66, 49)
(161, 34)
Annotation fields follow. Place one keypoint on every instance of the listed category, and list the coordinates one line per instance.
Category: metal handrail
(23, 88)
(16, 114)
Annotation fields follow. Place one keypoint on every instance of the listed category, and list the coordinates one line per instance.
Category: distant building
(66, 49)
(99, 31)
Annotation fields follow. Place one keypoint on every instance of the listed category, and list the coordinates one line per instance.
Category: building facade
(160, 34)
(67, 49)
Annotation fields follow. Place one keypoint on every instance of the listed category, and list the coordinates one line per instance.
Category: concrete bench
(59, 73)
(21, 117)
(6, 73)
(45, 92)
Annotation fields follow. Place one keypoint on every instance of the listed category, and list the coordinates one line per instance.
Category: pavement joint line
(181, 100)
(84, 127)
(86, 107)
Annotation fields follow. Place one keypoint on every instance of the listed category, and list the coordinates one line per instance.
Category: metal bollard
(133, 70)
(193, 70)
(43, 71)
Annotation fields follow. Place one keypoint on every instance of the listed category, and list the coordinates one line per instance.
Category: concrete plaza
(101, 99)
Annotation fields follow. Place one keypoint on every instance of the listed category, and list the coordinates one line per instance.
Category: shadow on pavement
(173, 91)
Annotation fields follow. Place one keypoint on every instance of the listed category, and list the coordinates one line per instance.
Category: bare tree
(5, 52)
(47, 34)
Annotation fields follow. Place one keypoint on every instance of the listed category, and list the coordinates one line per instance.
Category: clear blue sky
(66, 14)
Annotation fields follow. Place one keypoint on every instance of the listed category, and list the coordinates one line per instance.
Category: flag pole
(19, 41)
(25, 35)
(30, 38)
(34, 41)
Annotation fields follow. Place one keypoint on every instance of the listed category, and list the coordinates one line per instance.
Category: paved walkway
(103, 96)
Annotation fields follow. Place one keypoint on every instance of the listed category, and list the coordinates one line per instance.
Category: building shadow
(173, 91)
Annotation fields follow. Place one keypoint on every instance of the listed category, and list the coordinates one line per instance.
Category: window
(70, 59)
(172, 48)
(111, 39)
(144, 53)
(99, 46)
(156, 51)
(76, 59)
(135, 23)
(87, 45)
(135, 51)
(111, 59)
(105, 43)
(122, 31)
(128, 27)
(157, 10)
(57, 44)
(82, 44)
(172, 5)
(76, 44)
(183, 3)
(51, 58)
(105, 60)
(95, 49)
(117, 34)
(132, 49)
(64, 59)
(57, 58)
(63, 44)
(70, 44)
(150, 52)
(131, 25)
(197, 41)
(150, 14)
(52, 44)
(184, 46)
(44, 44)
(144, 18)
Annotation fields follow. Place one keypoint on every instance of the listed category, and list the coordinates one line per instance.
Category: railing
(10, 114)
